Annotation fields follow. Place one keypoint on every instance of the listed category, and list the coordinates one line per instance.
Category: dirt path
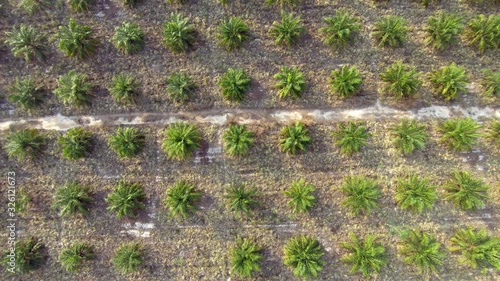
(250, 116)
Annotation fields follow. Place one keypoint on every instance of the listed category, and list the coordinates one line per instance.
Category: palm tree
(245, 258)
(303, 254)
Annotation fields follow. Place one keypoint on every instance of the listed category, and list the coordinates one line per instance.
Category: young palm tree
(127, 142)
(340, 29)
(25, 93)
(288, 31)
(483, 33)
(443, 29)
(72, 198)
(420, 249)
(178, 33)
(346, 82)
(73, 89)
(390, 31)
(449, 81)
(301, 196)
(130, 3)
(401, 80)
(29, 254)
(128, 38)
(351, 137)
(491, 82)
(460, 134)
(282, 3)
(79, 5)
(303, 254)
(426, 3)
(234, 84)
(73, 257)
(128, 258)
(75, 143)
(32, 6)
(181, 140)
(477, 247)
(22, 201)
(123, 88)
(409, 136)
(241, 200)
(466, 192)
(76, 40)
(493, 133)
(26, 42)
(233, 33)
(291, 82)
(126, 199)
(415, 193)
(361, 194)
(366, 256)
(245, 258)
(24, 144)
(294, 138)
(180, 199)
(180, 87)
(237, 140)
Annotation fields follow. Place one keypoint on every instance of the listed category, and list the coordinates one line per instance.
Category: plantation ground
(197, 248)
(260, 57)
